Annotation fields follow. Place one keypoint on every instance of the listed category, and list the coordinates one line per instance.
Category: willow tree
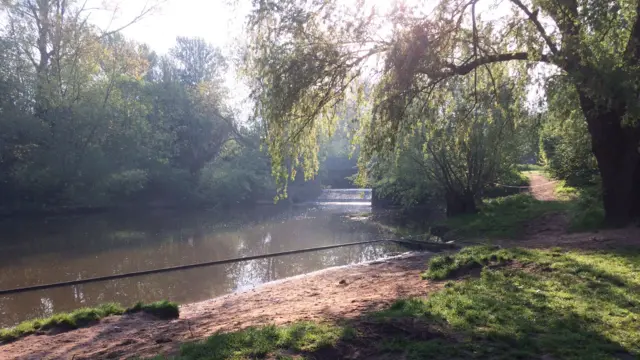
(305, 58)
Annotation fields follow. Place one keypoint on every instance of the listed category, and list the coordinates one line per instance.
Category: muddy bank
(344, 292)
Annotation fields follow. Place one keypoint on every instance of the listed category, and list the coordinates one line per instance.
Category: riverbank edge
(59, 323)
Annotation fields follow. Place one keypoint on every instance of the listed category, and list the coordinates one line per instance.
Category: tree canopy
(308, 58)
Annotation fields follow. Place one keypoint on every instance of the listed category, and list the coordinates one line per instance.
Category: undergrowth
(84, 317)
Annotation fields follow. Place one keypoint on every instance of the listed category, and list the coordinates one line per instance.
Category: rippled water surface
(68, 248)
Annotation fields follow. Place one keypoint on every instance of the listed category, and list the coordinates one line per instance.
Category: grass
(541, 304)
(504, 217)
(446, 266)
(585, 211)
(161, 309)
(63, 321)
(258, 342)
(84, 317)
(561, 305)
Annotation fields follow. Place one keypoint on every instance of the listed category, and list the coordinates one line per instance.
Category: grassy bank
(511, 304)
(85, 317)
(506, 217)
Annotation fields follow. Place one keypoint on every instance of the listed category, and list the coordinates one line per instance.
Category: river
(54, 249)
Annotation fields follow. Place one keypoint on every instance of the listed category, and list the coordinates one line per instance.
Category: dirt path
(330, 294)
(541, 187)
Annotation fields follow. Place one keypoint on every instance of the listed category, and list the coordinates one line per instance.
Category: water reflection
(59, 249)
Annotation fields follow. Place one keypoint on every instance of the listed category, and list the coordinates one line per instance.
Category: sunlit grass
(86, 316)
(258, 342)
(562, 305)
(63, 321)
(504, 217)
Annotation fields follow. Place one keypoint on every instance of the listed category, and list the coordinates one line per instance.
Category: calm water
(68, 248)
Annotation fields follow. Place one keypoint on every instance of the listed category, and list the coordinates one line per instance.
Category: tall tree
(305, 55)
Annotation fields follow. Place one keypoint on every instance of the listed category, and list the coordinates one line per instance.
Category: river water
(68, 248)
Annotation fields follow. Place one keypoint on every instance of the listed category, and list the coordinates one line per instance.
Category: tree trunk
(458, 204)
(616, 147)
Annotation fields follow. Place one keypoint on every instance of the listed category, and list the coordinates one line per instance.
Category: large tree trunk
(458, 204)
(617, 149)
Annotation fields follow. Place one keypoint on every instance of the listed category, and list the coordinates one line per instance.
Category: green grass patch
(63, 321)
(85, 317)
(585, 210)
(504, 217)
(259, 342)
(446, 266)
(562, 305)
(161, 309)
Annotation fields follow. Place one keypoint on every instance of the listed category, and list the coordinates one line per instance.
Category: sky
(216, 21)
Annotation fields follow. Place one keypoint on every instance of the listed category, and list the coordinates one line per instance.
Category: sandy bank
(329, 294)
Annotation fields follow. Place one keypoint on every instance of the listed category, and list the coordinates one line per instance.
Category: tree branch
(469, 66)
(533, 17)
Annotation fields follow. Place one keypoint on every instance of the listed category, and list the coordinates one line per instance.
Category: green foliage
(434, 65)
(97, 120)
(529, 167)
(63, 321)
(163, 309)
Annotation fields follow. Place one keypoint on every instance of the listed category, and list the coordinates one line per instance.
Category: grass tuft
(443, 267)
(85, 317)
(161, 309)
(63, 321)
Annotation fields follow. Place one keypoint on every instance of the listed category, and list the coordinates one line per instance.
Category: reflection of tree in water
(96, 246)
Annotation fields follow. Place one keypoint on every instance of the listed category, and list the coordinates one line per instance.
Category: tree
(305, 58)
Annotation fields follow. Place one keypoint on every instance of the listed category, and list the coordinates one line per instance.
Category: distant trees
(90, 118)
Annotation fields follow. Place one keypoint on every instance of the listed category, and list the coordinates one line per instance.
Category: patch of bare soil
(550, 230)
(328, 295)
(541, 187)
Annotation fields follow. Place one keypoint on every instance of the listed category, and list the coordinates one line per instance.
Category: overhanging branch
(533, 17)
(451, 69)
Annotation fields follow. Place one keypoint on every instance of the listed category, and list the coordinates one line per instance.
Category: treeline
(89, 118)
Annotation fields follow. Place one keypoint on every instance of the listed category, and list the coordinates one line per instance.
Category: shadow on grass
(507, 217)
(544, 304)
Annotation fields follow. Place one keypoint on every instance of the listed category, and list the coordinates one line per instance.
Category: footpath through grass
(520, 304)
(86, 316)
(506, 217)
